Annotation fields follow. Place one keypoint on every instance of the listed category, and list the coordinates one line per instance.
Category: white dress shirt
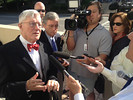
(121, 62)
(79, 96)
(33, 54)
(125, 94)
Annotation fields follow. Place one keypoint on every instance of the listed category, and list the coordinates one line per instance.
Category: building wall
(8, 33)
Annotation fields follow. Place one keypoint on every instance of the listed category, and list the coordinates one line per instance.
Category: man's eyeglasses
(51, 26)
(41, 10)
(33, 24)
(117, 24)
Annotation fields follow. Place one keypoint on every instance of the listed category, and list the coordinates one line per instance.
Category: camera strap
(86, 44)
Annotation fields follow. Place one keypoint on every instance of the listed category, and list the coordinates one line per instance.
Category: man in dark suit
(24, 66)
(50, 25)
(53, 40)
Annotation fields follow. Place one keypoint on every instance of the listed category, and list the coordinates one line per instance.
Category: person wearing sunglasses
(120, 27)
(40, 7)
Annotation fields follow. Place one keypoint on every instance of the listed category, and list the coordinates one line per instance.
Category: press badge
(85, 47)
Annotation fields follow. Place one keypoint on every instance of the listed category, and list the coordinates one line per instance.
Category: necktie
(53, 45)
(34, 46)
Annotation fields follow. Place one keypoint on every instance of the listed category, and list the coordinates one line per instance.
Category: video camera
(79, 20)
(124, 7)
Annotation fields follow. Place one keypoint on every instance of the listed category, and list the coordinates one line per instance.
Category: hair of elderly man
(27, 13)
(50, 16)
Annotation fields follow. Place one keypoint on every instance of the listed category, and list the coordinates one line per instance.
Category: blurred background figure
(40, 7)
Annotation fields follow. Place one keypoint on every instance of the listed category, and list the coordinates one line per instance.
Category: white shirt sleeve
(79, 96)
(113, 77)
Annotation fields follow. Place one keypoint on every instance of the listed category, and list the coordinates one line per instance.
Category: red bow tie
(34, 46)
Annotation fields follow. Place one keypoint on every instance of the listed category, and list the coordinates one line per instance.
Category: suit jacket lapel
(22, 52)
(48, 42)
(44, 60)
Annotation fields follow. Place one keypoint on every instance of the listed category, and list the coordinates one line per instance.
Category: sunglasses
(41, 10)
(117, 24)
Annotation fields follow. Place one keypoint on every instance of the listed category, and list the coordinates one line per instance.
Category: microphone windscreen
(56, 63)
(121, 74)
(130, 15)
(61, 54)
(114, 6)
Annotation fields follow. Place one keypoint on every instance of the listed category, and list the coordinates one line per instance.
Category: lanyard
(86, 44)
(90, 31)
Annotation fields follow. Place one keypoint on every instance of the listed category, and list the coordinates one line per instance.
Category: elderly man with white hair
(24, 66)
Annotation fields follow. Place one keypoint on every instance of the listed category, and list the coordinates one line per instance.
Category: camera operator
(93, 40)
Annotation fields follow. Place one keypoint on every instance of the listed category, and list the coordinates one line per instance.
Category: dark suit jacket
(16, 67)
(59, 42)
(49, 51)
(54, 70)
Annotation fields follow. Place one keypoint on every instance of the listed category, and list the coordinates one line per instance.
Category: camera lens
(72, 24)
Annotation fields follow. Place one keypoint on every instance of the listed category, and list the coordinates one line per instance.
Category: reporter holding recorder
(122, 62)
(75, 89)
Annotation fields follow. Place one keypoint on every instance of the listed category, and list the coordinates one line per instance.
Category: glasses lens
(40, 10)
(118, 24)
(33, 24)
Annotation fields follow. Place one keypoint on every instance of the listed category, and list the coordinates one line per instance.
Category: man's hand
(90, 66)
(86, 60)
(64, 62)
(73, 85)
(35, 84)
(53, 85)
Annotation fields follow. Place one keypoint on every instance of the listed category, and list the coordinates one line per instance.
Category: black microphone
(66, 55)
(114, 6)
(58, 65)
(121, 74)
(130, 15)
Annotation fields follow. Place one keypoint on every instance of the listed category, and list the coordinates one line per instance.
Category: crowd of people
(28, 74)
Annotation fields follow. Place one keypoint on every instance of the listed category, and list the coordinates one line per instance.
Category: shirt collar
(25, 42)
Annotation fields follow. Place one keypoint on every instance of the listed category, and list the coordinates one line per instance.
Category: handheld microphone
(65, 55)
(130, 15)
(114, 6)
(58, 65)
(62, 69)
(121, 74)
